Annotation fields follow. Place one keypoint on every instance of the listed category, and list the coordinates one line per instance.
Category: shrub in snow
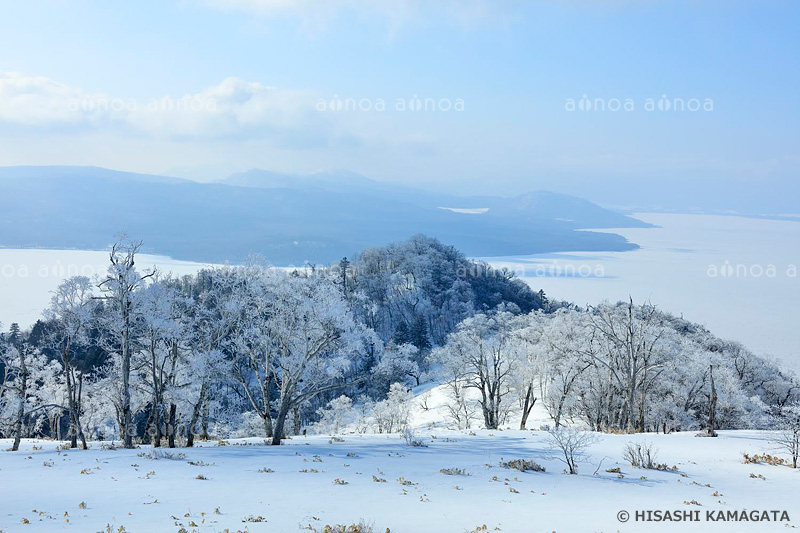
(572, 444)
(523, 465)
(641, 455)
(764, 458)
(789, 439)
(361, 527)
(393, 413)
(411, 439)
(453, 472)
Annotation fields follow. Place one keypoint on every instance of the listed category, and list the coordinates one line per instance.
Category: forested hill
(289, 220)
(252, 349)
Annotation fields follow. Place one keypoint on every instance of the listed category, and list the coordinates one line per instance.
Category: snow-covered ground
(294, 486)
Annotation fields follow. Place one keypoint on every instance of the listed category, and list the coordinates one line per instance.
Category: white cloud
(36, 101)
(232, 108)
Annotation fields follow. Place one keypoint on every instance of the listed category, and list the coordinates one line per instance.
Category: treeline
(137, 355)
(144, 357)
(614, 367)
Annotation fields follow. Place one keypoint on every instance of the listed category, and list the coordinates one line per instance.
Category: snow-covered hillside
(86, 491)
(313, 481)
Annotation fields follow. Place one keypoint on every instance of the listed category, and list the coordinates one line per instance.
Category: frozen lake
(736, 275)
(28, 276)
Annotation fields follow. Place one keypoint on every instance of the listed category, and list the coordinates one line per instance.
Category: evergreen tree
(402, 335)
(419, 334)
(14, 335)
(344, 264)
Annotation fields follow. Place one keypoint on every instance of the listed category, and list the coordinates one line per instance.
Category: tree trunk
(127, 422)
(148, 427)
(630, 408)
(204, 435)
(268, 425)
(157, 420)
(23, 393)
(171, 429)
(280, 422)
(155, 414)
(127, 430)
(527, 406)
(73, 412)
(195, 416)
(73, 433)
(297, 421)
(712, 405)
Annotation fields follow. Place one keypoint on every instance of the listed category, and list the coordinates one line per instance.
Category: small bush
(411, 440)
(200, 463)
(361, 527)
(523, 465)
(157, 454)
(764, 459)
(642, 455)
(453, 472)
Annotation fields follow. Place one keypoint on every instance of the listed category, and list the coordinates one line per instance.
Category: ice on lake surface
(27, 277)
(736, 275)
(711, 269)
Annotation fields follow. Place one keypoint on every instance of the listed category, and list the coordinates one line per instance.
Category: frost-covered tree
(338, 413)
(212, 318)
(563, 365)
(23, 369)
(789, 438)
(310, 340)
(485, 354)
(251, 300)
(572, 445)
(70, 319)
(393, 414)
(627, 341)
(121, 315)
(162, 332)
(531, 337)
(398, 363)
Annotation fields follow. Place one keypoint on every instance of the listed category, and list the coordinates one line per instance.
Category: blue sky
(267, 64)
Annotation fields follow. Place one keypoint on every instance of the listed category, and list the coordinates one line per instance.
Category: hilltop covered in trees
(246, 350)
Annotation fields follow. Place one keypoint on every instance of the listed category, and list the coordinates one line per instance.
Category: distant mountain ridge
(289, 219)
(537, 204)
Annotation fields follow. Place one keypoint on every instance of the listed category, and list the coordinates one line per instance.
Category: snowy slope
(121, 488)
(133, 489)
